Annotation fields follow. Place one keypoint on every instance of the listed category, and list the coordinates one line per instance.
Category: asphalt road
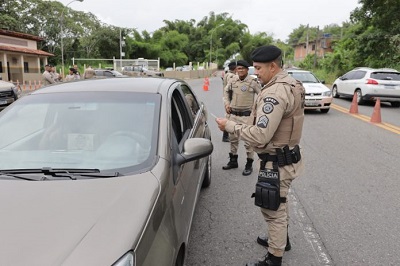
(344, 208)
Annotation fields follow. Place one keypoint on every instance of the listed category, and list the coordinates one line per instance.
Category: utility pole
(307, 40)
(316, 48)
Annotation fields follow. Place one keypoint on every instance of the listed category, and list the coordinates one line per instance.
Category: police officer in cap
(239, 95)
(227, 78)
(278, 116)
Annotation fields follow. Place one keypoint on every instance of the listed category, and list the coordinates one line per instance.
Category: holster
(267, 193)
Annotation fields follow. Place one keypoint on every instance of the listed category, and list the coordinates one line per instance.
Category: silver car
(369, 84)
(102, 172)
(8, 93)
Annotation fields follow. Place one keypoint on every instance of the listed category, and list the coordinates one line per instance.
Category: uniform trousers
(234, 139)
(278, 220)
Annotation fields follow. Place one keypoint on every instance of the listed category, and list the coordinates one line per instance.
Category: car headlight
(127, 260)
(327, 93)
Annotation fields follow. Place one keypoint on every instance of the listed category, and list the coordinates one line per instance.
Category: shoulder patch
(268, 108)
(271, 100)
(263, 121)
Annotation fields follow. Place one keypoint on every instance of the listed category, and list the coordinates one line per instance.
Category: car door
(344, 85)
(187, 175)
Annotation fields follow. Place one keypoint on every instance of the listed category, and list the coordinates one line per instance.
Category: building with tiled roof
(19, 57)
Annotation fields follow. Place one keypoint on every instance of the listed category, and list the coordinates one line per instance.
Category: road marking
(387, 126)
(310, 233)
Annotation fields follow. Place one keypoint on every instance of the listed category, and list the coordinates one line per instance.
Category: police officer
(239, 96)
(47, 76)
(278, 116)
(227, 78)
(89, 73)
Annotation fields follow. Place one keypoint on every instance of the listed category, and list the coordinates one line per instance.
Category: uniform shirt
(47, 78)
(242, 92)
(89, 73)
(227, 78)
(274, 102)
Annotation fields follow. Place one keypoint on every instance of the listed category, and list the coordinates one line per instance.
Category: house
(321, 47)
(20, 60)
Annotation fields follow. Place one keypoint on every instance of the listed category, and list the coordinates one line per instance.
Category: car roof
(375, 69)
(128, 84)
(297, 70)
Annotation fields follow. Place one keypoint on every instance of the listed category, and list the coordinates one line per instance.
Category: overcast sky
(278, 18)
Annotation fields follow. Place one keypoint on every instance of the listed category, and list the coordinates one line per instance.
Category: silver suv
(369, 84)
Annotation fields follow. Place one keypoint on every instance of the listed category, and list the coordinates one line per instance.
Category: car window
(108, 74)
(349, 75)
(359, 74)
(101, 130)
(190, 99)
(181, 118)
(386, 75)
(305, 77)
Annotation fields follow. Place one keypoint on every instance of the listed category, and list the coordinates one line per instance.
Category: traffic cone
(376, 115)
(354, 105)
(205, 85)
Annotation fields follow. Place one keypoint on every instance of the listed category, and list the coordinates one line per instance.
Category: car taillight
(372, 81)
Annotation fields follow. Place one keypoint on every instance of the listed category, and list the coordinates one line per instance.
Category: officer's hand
(221, 123)
(227, 109)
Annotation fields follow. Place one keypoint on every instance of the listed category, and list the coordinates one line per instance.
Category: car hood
(73, 222)
(315, 87)
(5, 86)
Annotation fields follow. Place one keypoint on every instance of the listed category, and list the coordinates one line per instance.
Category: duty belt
(283, 157)
(241, 113)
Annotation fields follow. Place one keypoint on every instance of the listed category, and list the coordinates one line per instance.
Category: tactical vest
(243, 94)
(291, 125)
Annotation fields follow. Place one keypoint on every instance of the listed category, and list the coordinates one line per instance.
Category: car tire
(359, 96)
(395, 104)
(324, 111)
(207, 174)
(335, 93)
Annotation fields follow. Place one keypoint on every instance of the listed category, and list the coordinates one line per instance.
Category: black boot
(248, 169)
(232, 162)
(263, 241)
(269, 260)
(225, 136)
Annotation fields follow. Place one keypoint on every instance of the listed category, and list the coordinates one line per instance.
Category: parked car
(318, 96)
(102, 172)
(252, 72)
(108, 73)
(8, 93)
(138, 70)
(369, 84)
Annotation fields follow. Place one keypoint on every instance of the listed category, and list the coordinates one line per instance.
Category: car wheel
(359, 96)
(207, 174)
(395, 104)
(335, 93)
(324, 111)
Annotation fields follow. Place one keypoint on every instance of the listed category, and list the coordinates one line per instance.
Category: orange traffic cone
(205, 84)
(354, 105)
(376, 115)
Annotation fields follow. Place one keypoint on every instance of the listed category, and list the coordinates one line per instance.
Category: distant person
(47, 76)
(89, 73)
(225, 80)
(72, 75)
(57, 77)
(77, 71)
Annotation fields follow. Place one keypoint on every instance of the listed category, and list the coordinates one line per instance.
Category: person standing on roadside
(239, 96)
(47, 76)
(89, 73)
(275, 134)
(72, 75)
(76, 72)
(227, 78)
(57, 77)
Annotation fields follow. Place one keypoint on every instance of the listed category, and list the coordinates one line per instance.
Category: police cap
(49, 65)
(242, 63)
(266, 53)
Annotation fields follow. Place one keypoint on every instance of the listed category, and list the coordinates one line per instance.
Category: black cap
(49, 65)
(243, 63)
(266, 53)
(232, 65)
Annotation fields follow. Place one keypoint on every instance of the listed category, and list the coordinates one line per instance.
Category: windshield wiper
(71, 173)
(5, 174)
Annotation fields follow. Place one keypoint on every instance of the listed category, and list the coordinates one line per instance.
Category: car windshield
(305, 77)
(80, 130)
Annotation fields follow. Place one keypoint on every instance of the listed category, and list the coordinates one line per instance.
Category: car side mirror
(194, 149)
(323, 81)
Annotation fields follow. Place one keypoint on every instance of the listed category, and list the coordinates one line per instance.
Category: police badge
(244, 88)
(268, 108)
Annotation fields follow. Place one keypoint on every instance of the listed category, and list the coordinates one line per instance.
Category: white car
(318, 96)
(369, 84)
